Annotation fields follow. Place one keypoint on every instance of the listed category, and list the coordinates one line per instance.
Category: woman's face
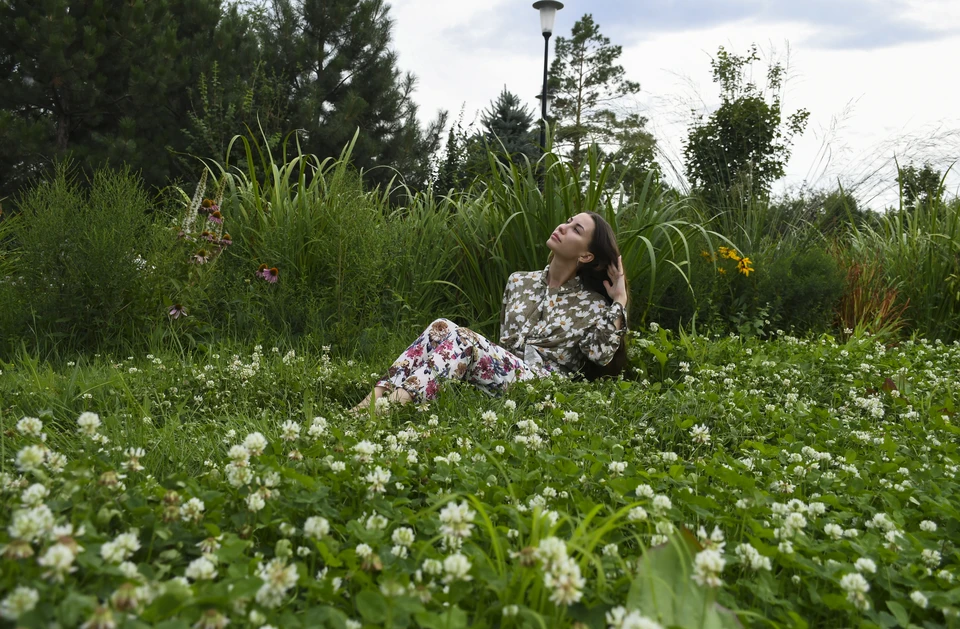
(571, 240)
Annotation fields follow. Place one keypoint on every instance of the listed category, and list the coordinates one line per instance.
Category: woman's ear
(586, 258)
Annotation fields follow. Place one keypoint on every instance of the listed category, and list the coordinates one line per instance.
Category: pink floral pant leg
(445, 350)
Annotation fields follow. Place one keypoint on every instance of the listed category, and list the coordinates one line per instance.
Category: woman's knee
(440, 328)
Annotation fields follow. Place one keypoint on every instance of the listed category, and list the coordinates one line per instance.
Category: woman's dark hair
(592, 274)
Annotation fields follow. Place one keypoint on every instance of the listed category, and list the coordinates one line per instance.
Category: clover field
(785, 482)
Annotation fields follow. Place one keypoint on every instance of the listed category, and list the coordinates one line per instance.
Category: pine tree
(507, 124)
(103, 80)
(342, 74)
(589, 89)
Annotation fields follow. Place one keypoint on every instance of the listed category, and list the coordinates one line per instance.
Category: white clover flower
(255, 443)
(129, 570)
(510, 405)
(489, 418)
(456, 568)
(433, 567)
(18, 602)
(316, 527)
(637, 514)
(290, 430)
(931, 557)
(616, 468)
(364, 451)
(611, 550)
(566, 581)
(277, 579)
(834, 531)
(238, 475)
(192, 510)
(620, 618)
(30, 426)
(201, 569)
(377, 522)
(456, 522)
(661, 503)
(377, 480)
(58, 559)
(752, 558)
(707, 566)
(856, 588)
(919, 599)
(700, 433)
(337, 466)
(30, 458)
(363, 550)
(404, 536)
(928, 526)
(509, 611)
(88, 423)
(644, 491)
(318, 428)
(571, 417)
(865, 564)
(34, 495)
(255, 502)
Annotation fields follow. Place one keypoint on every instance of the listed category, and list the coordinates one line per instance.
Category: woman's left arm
(602, 339)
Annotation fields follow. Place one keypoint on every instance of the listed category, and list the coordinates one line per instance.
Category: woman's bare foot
(398, 396)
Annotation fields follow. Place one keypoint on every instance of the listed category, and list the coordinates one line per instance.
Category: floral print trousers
(446, 350)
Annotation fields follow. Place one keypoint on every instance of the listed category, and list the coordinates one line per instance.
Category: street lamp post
(548, 13)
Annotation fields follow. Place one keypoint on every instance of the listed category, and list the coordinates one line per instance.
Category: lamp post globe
(548, 13)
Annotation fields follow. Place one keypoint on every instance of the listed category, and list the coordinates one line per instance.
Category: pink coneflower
(202, 256)
(261, 271)
(177, 311)
(209, 237)
(226, 241)
(272, 275)
(216, 217)
(207, 207)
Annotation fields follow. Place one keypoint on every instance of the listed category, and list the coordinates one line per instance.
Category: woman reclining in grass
(569, 318)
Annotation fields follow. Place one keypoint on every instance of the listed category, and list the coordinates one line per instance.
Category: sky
(879, 77)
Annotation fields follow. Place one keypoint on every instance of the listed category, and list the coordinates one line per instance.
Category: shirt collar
(571, 285)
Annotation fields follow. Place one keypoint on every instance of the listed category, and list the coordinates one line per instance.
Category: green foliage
(103, 81)
(920, 186)
(743, 146)
(588, 87)
(728, 485)
(508, 128)
(802, 286)
(92, 264)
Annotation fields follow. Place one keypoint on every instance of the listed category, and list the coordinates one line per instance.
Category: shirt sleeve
(503, 309)
(602, 339)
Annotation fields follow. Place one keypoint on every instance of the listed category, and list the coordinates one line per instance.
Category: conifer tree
(508, 122)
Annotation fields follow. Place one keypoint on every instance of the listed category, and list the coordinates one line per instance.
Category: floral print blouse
(558, 328)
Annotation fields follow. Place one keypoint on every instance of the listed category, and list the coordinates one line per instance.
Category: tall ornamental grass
(504, 220)
(919, 251)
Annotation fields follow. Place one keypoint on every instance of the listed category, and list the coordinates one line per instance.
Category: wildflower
(132, 464)
(216, 217)
(456, 523)
(271, 275)
(290, 431)
(928, 526)
(192, 510)
(707, 566)
(931, 557)
(620, 618)
(856, 588)
(661, 503)
(102, 618)
(700, 434)
(255, 502)
(616, 468)
(377, 522)
(637, 514)
(18, 602)
(403, 536)
(509, 611)
(364, 451)
(239, 455)
(865, 564)
(212, 619)
(277, 579)
(834, 531)
(750, 556)
(201, 569)
(611, 550)
(571, 417)
(489, 418)
(34, 495)
(226, 240)
(59, 560)
(645, 491)
(202, 256)
(457, 568)
(316, 527)
(317, 428)
(377, 480)
(176, 311)
(89, 423)
(30, 426)
(566, 581)
(256, 443)
(919, 599)
(744, 266)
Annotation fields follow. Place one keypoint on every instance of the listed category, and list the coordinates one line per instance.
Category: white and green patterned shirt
(558, 328)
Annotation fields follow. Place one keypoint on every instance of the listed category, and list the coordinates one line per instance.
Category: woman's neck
(560, 272)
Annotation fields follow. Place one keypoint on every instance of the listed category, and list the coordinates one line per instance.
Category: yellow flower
(721, 271)
(743, 265)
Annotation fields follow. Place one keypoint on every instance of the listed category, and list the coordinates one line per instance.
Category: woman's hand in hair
(617, 284)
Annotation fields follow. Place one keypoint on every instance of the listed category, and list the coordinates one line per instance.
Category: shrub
(90, 261)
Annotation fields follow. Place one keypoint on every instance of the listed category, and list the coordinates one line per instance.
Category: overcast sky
(879, 77)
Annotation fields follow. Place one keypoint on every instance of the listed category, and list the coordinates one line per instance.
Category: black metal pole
(543, 96)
